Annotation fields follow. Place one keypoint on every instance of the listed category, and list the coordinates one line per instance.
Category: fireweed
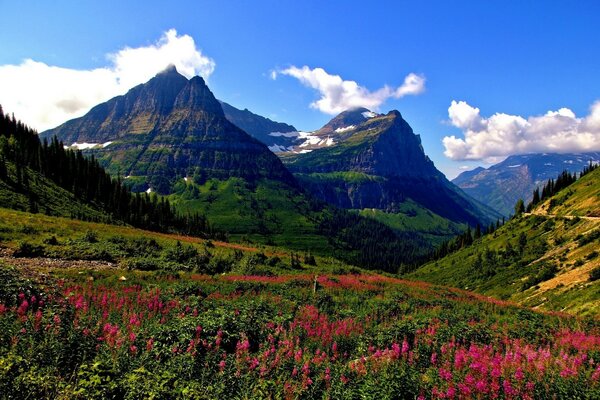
(274, 337)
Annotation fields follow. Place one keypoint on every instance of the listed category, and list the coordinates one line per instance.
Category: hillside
(543, 259)
(36, 193)
(502, 184)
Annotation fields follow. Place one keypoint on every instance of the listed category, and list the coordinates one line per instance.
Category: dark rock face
(277, 135)
(501, 185)
(379, 164)
(171, 127)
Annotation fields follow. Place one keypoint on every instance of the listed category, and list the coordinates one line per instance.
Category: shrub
(26, 249)
(52, 241)
(595, 274)
(90, 237)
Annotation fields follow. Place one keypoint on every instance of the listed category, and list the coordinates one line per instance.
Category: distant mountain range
(278, 136)
(501, 185)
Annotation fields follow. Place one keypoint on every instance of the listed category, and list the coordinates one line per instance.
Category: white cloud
(502, 135)
(44, 96)
(338, 95)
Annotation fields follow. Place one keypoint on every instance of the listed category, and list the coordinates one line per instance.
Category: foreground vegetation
(92, 334)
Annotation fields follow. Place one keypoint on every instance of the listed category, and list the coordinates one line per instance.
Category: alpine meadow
(299, 200)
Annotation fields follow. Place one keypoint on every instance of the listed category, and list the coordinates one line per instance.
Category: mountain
(278, 136)
(167, 129)
(501, 185)
(170, 136)
(377, 162)
(544, 259)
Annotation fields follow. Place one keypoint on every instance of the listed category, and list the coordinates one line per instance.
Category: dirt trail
(36, 268)
(545, 214)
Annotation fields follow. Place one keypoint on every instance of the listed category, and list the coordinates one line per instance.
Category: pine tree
(519, 207)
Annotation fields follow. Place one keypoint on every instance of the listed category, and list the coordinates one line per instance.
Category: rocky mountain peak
(195, 95)
(346, 121)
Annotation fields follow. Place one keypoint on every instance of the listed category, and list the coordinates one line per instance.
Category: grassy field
(410, 217)
(128, 248)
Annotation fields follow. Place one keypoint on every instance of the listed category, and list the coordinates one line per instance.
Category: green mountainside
(36, 193)
(544, 259)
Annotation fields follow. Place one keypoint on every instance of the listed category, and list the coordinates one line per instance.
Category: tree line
(87, 180)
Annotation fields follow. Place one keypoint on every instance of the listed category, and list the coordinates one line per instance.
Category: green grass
(264, 212)
(127, 247)
(582, 198)
(410, 216)
(352, 177)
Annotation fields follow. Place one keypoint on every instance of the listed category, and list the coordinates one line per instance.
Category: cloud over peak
(502, 134)
(337, 95)
(44, 96)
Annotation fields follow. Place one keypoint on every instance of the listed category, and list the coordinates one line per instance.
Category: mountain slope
(501, 185)
(377, 162)
(278, 136)
(37, 193)
(167, 128)
(543, 259)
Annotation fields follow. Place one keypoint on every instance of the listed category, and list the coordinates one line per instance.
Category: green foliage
(27, 249)
(595, 274)
(47, 177)
(547, 271)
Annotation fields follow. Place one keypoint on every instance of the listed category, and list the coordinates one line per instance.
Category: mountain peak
(170, 69)
(346, 121)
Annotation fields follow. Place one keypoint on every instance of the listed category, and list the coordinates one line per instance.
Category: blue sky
(521, 58)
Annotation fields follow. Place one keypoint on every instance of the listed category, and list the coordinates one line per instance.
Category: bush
(90, 237)
(595, 274)
(52, 241)
(143, 264)
(26, 249)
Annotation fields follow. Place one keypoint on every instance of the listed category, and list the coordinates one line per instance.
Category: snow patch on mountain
(345, 129)
(277, 148)
(369, 114)
(292, 134)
